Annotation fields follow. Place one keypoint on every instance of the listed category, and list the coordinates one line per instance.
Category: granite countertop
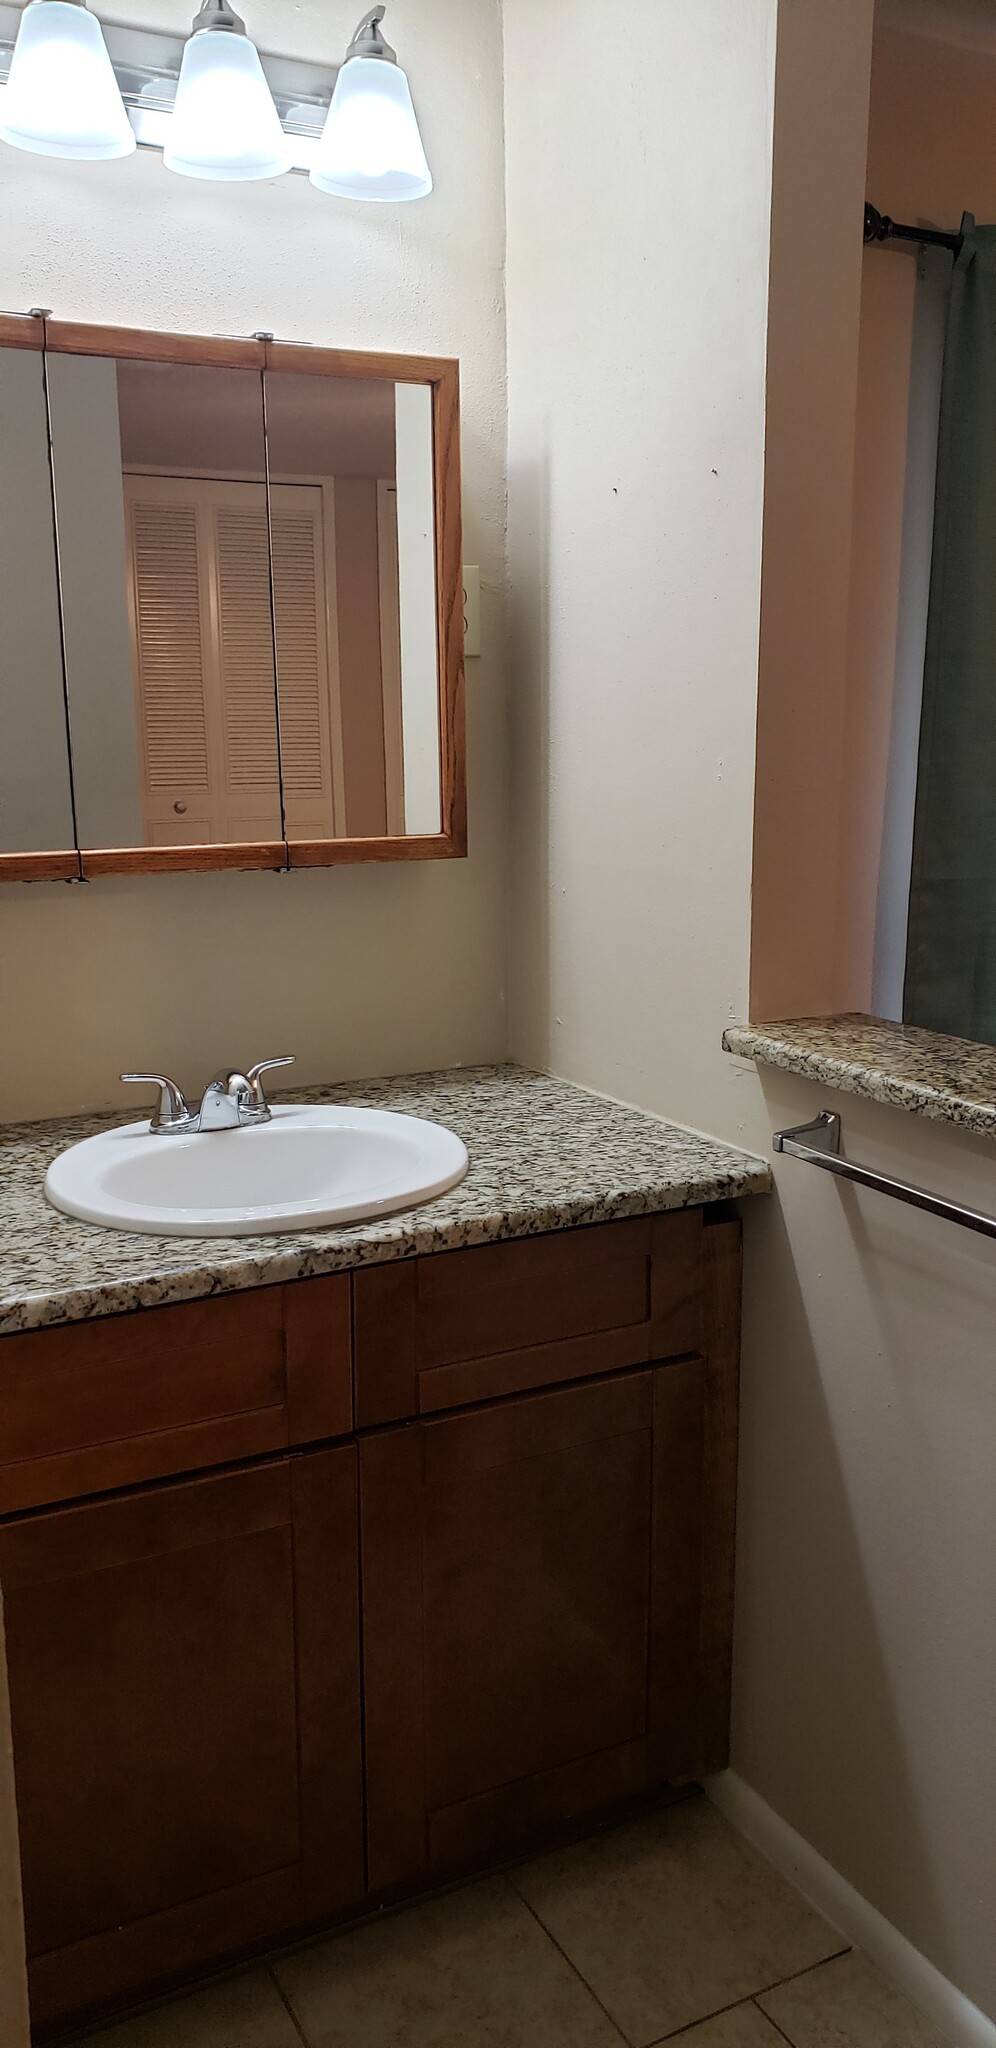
(544, 1155)
(950, 1080)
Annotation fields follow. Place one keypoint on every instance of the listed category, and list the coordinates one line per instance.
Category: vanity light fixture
(62, 98)
(371, 147)
(211, 103)
(224, 123)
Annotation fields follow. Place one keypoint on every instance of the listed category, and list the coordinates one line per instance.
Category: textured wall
(362, 970)
(638, 207)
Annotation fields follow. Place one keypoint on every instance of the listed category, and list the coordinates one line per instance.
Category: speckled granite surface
(951, 1080)
(543, 1156)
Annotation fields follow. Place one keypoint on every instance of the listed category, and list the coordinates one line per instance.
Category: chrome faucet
(231, 1101)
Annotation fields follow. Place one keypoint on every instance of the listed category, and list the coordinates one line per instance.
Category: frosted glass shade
(62, 98)
(224, 123)
(370, 146)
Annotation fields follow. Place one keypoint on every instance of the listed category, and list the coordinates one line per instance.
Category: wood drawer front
(468, 1326)
(90, 1407)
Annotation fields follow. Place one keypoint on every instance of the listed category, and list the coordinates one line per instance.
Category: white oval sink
(312, 1164)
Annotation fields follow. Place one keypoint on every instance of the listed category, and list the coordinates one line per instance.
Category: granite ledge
(544, 1155)
(948, 1080)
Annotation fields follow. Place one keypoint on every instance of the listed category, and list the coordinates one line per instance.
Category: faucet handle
(259, 1104)
(173, 1112)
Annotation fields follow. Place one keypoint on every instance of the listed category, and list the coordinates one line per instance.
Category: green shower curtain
(951, 938)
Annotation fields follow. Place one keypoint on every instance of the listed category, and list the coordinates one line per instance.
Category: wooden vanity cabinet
(523, 1453)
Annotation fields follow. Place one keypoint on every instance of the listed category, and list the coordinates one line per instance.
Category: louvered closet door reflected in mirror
(302, 539)
(160, 482)
(199, 579)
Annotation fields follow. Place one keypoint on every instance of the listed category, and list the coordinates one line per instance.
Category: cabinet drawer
(469, 1326)
(90, 1407)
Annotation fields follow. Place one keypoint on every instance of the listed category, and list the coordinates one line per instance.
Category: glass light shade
(62, 98)
(370, 146)
(224, 123)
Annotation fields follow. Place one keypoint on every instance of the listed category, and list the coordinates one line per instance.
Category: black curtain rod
(879, 228)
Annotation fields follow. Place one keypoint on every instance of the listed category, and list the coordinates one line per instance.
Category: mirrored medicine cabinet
(231, 617)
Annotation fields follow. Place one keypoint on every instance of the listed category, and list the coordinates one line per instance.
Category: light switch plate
(471, 609)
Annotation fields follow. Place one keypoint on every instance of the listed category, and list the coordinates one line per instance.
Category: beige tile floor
(668, 1929)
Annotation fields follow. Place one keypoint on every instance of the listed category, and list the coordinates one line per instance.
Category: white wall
(638, 182)
(865, 1689)
(638, 195)
(359, 970)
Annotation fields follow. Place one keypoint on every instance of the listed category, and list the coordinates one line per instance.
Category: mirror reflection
(36, 812)
(161, 501)
(220, 602)
(354, 590)
(199, 538)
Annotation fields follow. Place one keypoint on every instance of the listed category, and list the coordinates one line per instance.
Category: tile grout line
(780, 2031)
(794, 1975)
(719, 2012)
(288, 2008)
(746, 1998)
(572, 1966)
(661, 2040)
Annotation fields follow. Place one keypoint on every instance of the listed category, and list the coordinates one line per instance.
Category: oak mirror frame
(277, 681)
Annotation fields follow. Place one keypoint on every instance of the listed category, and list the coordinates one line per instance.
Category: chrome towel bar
(818, 1144)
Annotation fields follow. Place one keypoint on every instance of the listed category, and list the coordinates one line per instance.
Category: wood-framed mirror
(231, 613)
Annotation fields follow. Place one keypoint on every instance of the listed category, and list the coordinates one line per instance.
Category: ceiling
(180, 416)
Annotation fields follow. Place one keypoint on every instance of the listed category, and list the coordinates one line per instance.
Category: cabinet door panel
(547, 1601)
(165, 1801)
(529, 1811)
(393, 1660)
(171, 1656)
(529, 1668)
(535, 1578)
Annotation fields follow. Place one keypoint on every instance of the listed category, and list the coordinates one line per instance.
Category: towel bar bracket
(822, 1136)
(819, 1142)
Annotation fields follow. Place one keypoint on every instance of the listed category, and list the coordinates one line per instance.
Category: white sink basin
(310, 1165)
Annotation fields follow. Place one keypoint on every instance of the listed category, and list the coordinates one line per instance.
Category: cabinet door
(185, 1701)
(546, 1604)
